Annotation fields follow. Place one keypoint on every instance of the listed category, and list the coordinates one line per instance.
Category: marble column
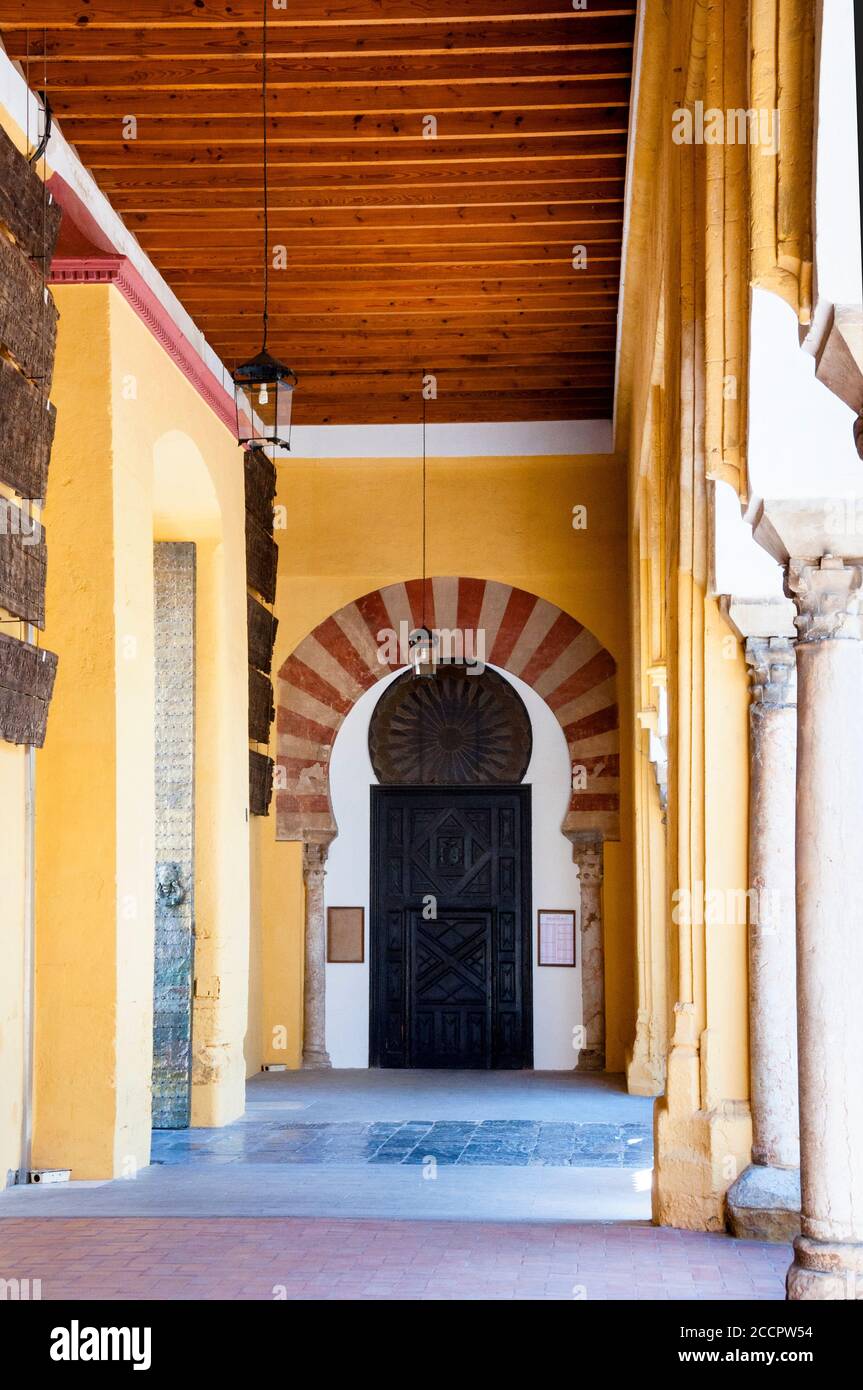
(315, 982)
(764, 1202)
(587, 855)
(828, 1253)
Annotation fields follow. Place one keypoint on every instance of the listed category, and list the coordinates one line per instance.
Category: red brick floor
(266, 1258)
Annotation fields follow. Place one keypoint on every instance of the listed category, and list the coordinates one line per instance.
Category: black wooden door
(450, 928)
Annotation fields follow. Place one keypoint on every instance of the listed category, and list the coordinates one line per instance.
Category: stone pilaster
(828, 1261)
(587, 855)
(315, 981)
(764, 1202)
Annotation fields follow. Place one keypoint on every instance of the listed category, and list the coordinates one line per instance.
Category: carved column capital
(772, 666)
(587, 856)
(827, 593)
(314, 860)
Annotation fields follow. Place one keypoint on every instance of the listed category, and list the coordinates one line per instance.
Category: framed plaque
(556, 937)
(346, 935)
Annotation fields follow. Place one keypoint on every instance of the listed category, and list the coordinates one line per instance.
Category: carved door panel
(450, 953)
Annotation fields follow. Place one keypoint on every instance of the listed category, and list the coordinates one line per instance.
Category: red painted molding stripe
(120, 272)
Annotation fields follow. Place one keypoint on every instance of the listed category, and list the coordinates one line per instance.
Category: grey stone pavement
(482, 1146)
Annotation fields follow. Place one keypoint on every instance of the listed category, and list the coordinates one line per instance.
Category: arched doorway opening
(561, 667)
(450, 930)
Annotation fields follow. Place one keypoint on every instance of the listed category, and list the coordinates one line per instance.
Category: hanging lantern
(264, 387)
(422, 647)
(264, 391)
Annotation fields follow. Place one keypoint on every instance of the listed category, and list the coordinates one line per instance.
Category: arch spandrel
(518, 632)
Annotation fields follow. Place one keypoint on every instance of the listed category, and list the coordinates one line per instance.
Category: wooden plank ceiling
(451, 255)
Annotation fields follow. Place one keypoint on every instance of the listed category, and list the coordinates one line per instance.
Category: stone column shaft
(764, 1202)
(315, 980)
(828, 1260)
(588, 857)
(772, 943)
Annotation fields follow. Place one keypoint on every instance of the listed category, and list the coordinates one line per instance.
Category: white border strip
(519, 439)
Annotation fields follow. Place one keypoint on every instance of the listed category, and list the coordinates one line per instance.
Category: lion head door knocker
(170, 888)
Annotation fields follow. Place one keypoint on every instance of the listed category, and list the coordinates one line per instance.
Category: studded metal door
(450, 928)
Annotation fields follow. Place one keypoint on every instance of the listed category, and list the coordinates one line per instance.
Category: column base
(316, 1061)
(825, 1270)
(591, 1059)
(645, 1073)
(764, 1204)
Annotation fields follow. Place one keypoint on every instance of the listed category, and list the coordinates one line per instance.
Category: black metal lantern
(264, 387)
(264, 391)
(423, 651)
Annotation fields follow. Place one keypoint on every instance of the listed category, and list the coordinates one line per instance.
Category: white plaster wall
(556, 992)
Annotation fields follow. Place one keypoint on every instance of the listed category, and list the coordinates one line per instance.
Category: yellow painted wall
(199, 496)
(76, 851)
(353, 526)
(253, 1043)
(123, 407)
(12, 929)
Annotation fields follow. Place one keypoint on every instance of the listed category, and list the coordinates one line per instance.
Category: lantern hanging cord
(266, 178)
(424, 510)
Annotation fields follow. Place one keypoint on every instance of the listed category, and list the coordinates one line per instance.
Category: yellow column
(94, 838)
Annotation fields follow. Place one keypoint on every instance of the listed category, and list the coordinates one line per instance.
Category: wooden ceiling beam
(295, 127)
(378, 249)
(506, 356)
(296, 292)
(405, 254)
(426, 71)
(357, 315)
(457, 181)
(413, 399)
(487, 411)
(468, 155)
(589, 201)
(577, 30)
(585, 322)
(453, 383)
(431, 345)
(604, 261)
(294, 189)
(147, 14)
(179, 103)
